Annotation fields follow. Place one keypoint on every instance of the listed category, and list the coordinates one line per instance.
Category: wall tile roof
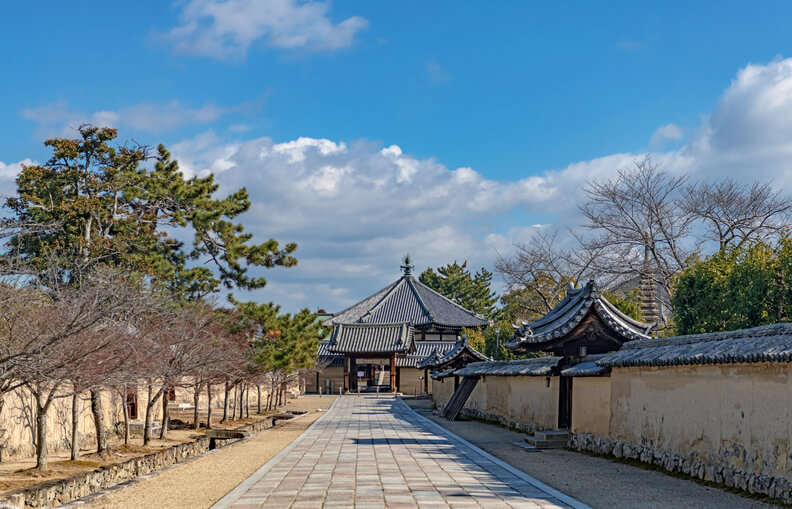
(768, 343)
(586, 367)
(443, 374)
(537, 366)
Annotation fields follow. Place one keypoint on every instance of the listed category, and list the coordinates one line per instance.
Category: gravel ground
(203, 481)
(598, 482)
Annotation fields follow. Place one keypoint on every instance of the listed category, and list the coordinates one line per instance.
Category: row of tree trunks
(240, 400)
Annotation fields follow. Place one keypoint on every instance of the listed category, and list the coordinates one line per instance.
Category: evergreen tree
(735, 288)
(97, 203)
(471, 291)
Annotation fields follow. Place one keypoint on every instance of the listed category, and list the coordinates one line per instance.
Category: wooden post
(346, 373)
(393, 372)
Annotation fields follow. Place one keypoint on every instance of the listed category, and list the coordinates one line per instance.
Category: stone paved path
(369, 452)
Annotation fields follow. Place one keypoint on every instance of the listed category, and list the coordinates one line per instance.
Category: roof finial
(407, 265)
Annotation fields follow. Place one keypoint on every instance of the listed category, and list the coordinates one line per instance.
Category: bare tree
(541, 270)
(734, 213)
(56, 338)
(639, 223)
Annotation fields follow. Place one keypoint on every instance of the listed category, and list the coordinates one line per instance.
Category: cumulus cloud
(386, 202)
(225, 30)
(59, 119)
(665, 133)
(8, 174)
(355, 207)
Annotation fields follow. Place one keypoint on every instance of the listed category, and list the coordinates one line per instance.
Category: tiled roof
(768, 343)
(332, 359)
(586, 367)
(443, 374)
(409, 300)
(537, 366)
(563, 318)
(429, 360)
(350, 338)
(423, 349)
(461, 347)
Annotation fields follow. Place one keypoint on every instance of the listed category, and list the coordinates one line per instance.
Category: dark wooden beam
(393, 373)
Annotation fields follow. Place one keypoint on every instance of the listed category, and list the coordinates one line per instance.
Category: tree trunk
(147, 423)
(245, 401)
(258, 391)
(165, 414)
(98, 416)
(75, 442)
(152, 401)
(225, 403)
(125, 406)
(41, 431)
(209, 406)
(196, 401)
(234, 403)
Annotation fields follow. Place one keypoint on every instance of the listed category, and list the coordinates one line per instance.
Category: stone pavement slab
(375, 452)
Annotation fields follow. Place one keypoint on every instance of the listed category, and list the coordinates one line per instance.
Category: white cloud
(58, 119)
(356, 208)
(11, 170)
(226, 30)
(8, 175)
(665, 133)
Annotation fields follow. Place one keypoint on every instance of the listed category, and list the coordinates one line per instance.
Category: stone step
(540, 443)
(555, 434)
(526, 447)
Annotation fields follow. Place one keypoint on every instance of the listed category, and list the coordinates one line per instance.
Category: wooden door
(565, 402)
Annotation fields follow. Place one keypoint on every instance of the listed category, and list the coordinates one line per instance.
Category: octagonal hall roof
(408, 300)
(583, 318)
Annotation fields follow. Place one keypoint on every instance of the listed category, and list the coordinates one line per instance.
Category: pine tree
(97, 203)
(471, 291)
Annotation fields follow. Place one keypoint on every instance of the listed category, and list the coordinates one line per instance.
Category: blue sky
(508, 107)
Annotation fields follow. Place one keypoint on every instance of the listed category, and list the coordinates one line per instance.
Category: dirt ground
(204, 480)
(20, 472)
(598, 482)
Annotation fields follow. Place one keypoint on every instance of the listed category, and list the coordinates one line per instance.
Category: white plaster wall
(727, 414)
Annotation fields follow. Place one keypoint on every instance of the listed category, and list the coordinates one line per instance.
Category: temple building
(378, 342)
(573, 335)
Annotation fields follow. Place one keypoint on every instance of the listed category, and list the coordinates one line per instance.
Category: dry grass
(18, 473)
(205, 480)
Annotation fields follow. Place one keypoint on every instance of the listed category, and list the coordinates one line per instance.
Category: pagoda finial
(407, 265)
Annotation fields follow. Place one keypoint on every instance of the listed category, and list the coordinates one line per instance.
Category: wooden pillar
(346, 373)
(393, 372)
(426, 381)
(353, 381)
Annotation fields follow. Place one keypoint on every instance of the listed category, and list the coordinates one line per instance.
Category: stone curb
(80, 502)
(566, 499)
(234, 495)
